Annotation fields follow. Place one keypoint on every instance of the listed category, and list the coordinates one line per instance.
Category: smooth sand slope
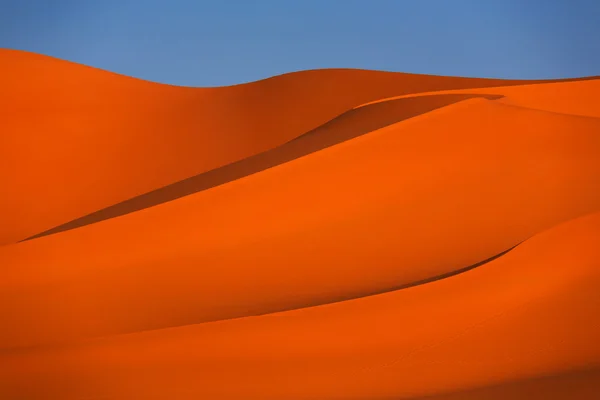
(420, 240)
(528, 314)
(77, 139)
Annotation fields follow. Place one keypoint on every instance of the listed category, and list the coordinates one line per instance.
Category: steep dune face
(417, 199)
(76, 139)
(530, 313)
(331, 234)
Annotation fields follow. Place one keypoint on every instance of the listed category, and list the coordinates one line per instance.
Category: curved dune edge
(347, 126)
(514, 104)
(458, 196)
(129, 137)
(332, 300)
(528, 314)
(576, 98)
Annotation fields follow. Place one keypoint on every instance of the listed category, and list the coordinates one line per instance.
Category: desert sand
(325, 234)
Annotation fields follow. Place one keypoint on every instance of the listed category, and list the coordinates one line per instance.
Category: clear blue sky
(221, 42)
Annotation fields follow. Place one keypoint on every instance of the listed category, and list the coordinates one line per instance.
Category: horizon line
(81, 64)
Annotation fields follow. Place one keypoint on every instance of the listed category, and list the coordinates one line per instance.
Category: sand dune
(127, 137)
(351, 124)
(327, 234)
(310, 231)
(528, 314)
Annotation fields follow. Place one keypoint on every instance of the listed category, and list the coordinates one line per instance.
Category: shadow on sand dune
(425, 281)
(346, 126)
(579, 384)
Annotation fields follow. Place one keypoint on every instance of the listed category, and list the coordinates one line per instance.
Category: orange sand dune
(411, 201)
(577, 98)
(77, 139)
(351, 124)
(327, 234)
(529, 314)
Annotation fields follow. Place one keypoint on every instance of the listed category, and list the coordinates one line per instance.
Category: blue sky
(222, 42)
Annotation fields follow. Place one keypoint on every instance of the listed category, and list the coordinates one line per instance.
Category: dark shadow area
(349, 125)
(572, 385)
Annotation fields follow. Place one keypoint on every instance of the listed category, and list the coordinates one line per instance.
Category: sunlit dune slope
(351, 124)
(529, 314)
(419, 198)
(77, 139)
